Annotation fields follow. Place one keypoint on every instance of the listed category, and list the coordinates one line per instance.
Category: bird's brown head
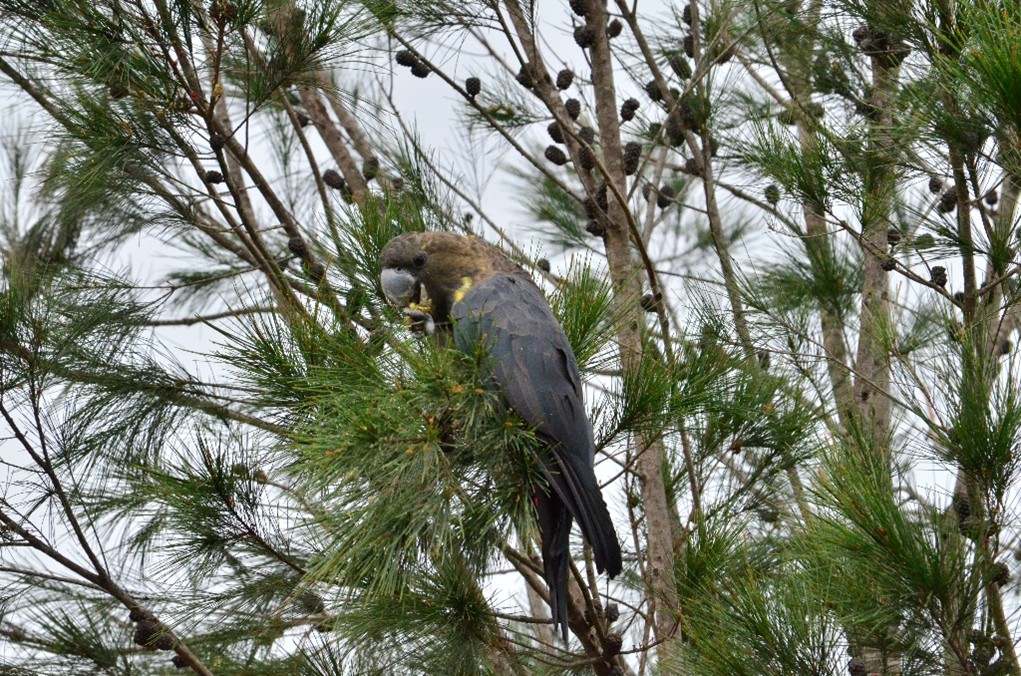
(431, 271)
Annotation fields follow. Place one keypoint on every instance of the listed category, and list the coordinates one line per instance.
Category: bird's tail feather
(585, 502)
(555, 531)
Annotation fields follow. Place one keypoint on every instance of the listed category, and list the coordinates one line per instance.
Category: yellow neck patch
(466, 285)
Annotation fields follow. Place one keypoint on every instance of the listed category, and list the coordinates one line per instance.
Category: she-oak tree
(786, 239)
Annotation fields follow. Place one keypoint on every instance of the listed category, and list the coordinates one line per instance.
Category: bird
(463, 288)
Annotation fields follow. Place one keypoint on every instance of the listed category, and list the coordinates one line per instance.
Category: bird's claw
(419, 322)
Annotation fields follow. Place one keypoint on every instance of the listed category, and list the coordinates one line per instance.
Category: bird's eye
(420, 258)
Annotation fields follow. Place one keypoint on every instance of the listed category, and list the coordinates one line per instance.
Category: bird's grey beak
(399, 286)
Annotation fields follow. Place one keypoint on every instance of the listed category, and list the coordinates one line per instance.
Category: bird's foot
(419, 322)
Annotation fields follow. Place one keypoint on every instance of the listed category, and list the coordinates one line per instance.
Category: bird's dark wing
(534, 367)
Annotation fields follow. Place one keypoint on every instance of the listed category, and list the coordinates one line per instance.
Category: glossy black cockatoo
(468, 289)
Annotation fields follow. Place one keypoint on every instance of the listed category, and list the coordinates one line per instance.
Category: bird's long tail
(555, 533)
(580, 490)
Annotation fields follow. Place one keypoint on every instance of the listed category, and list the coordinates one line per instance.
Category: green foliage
(922, 330)
(587, 309)
(989, 62)
(712, 559)
(359, 241)
(304, 38)
(440, 623)
(700, 366)
(983, 422)
(406, 484)
(553, 205)
(83, 636)
(758, 411)
(897, 579)
(772, 624)
(817, 278)
(643, 401)
(412, 501)
(814, 175)
(751, 610)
